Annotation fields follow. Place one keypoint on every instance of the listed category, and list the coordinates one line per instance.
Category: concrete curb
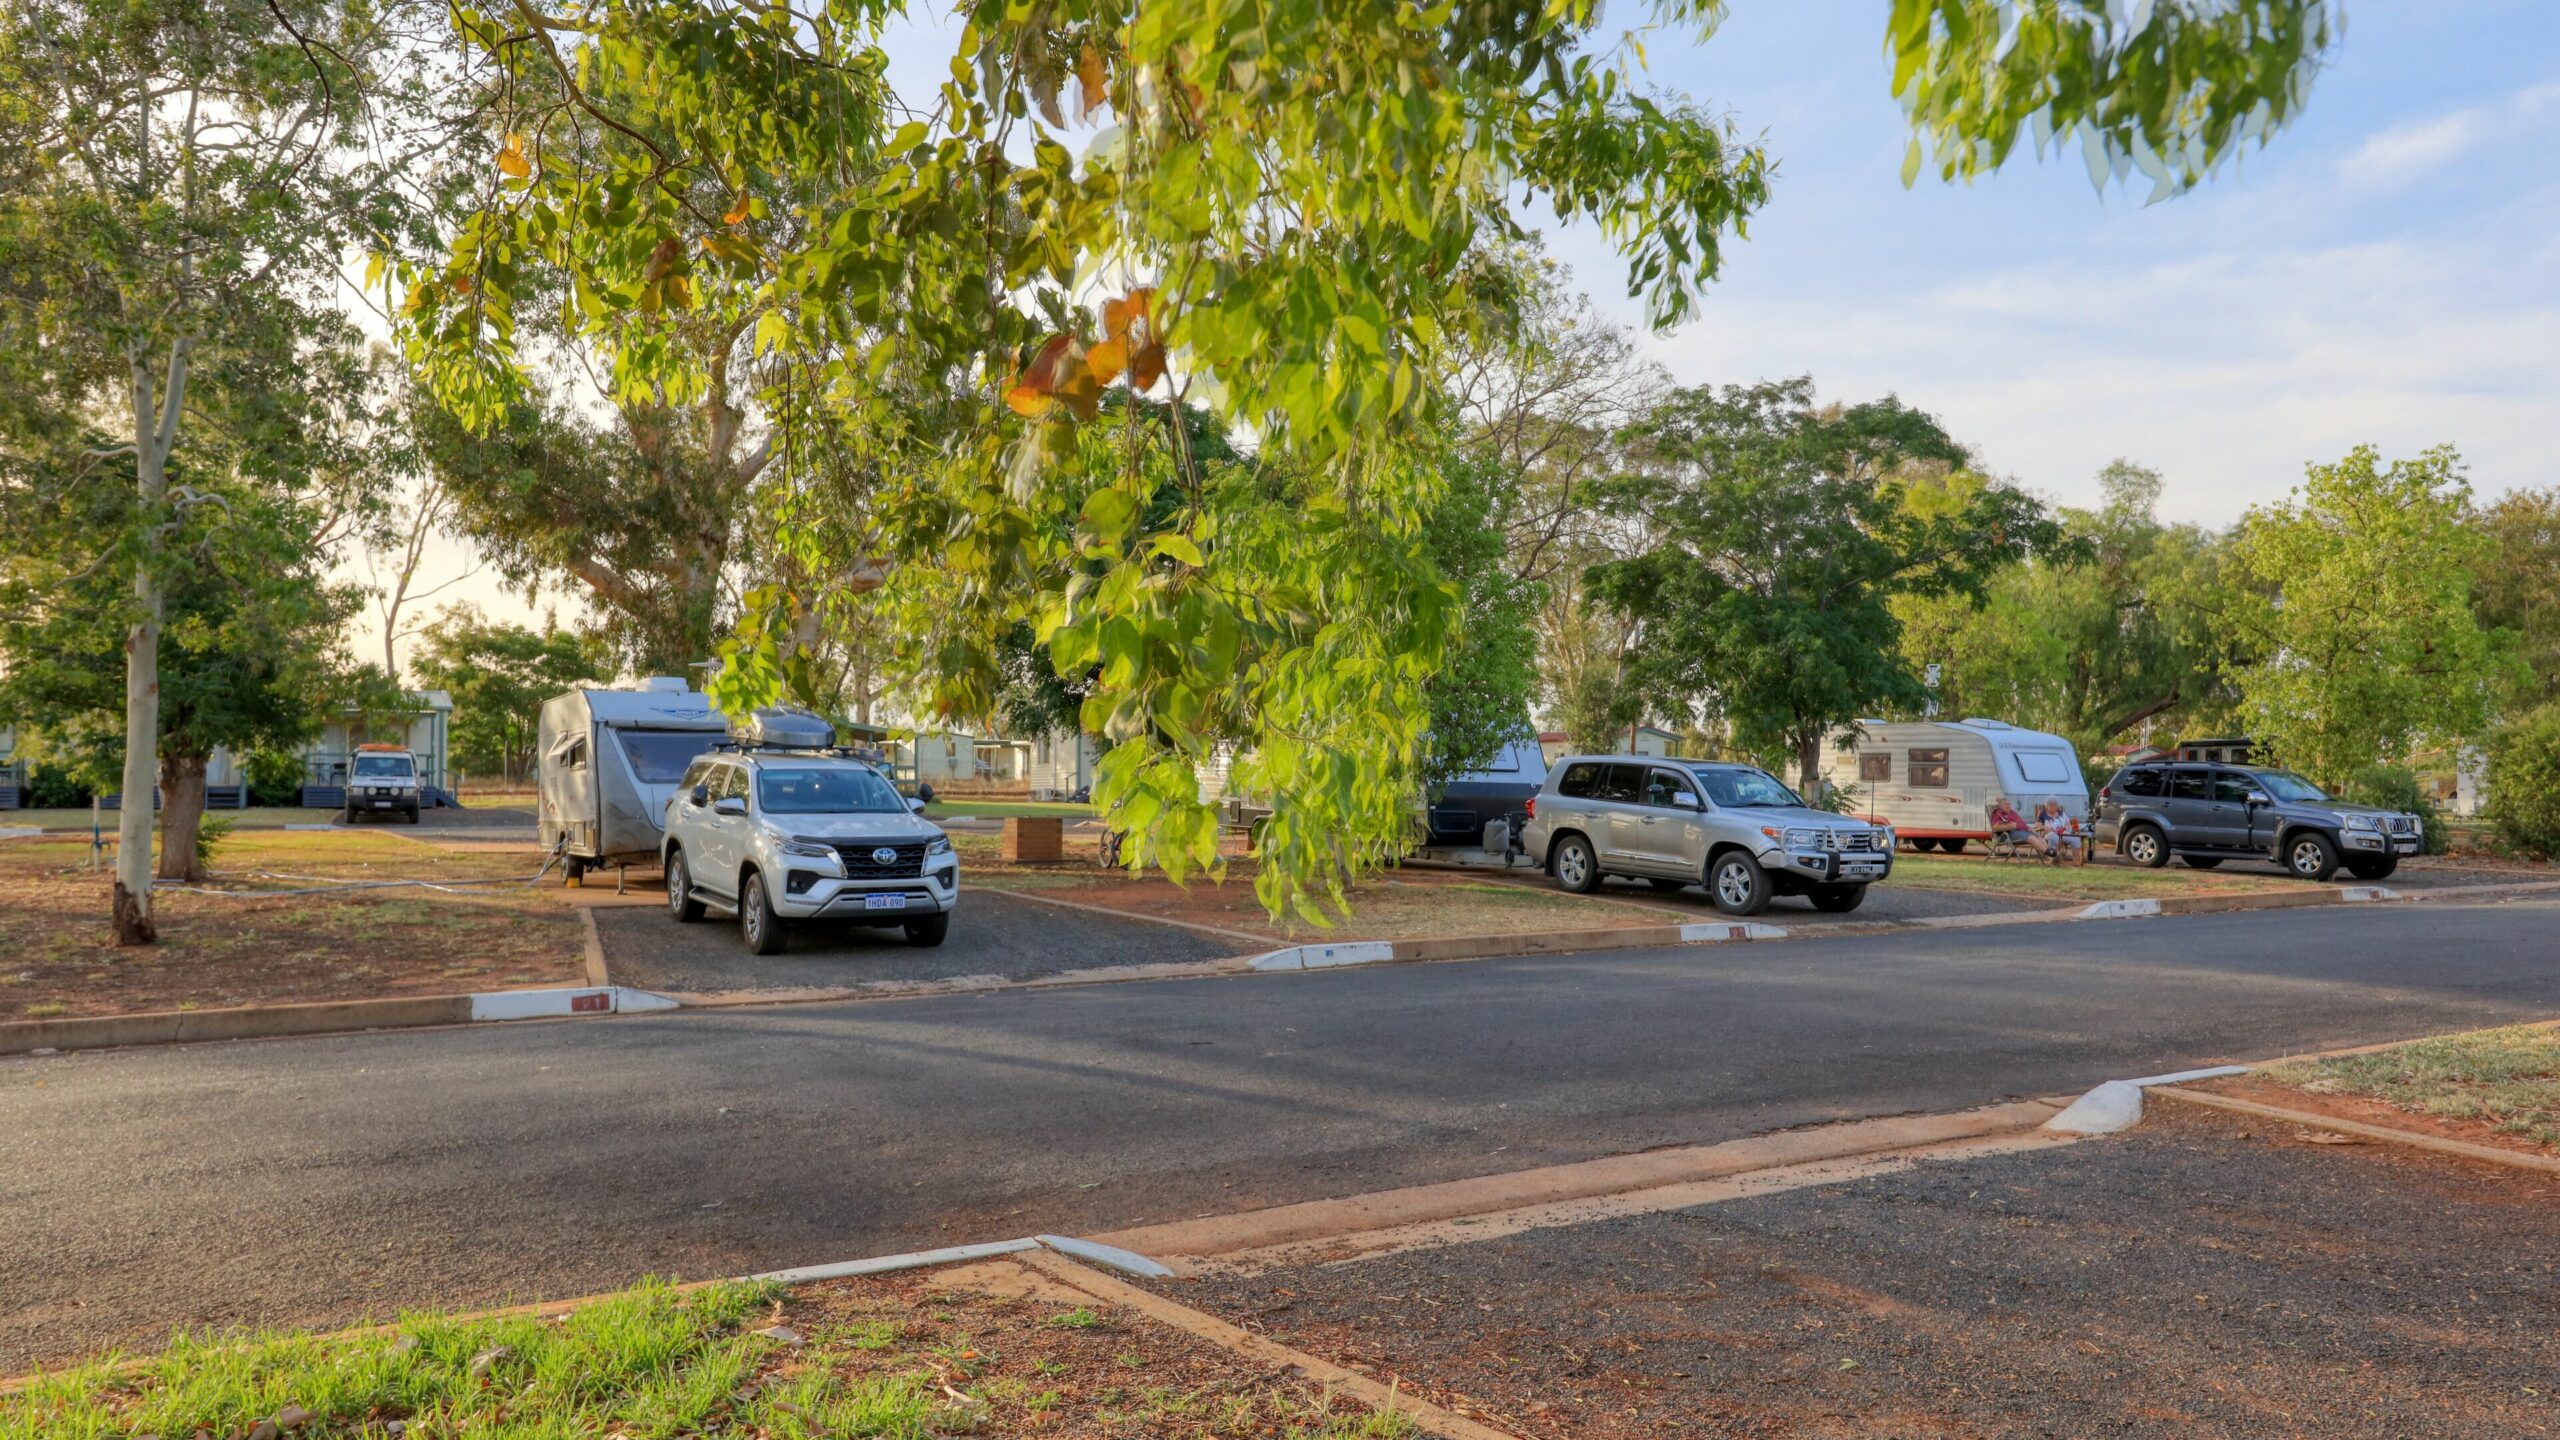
(1487, 947)
(2492, 1154)
(319, 1017)
(2256, 900)
(2117, 1104)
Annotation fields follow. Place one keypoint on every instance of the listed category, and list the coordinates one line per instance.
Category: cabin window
(660, 757)
(1929, 769)
(571, 756)
(2044, 767)
(1875, 767)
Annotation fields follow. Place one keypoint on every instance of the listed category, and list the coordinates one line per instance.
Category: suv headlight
(1804, 840)
(806, 850)
(2362, 822)
(938, 845)
(1884, 838)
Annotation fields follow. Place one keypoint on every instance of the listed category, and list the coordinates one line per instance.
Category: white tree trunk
(155, 429)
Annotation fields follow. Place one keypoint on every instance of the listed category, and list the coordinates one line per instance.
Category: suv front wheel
(2144, 846)
(2310, 856)
(1737, 884)
(757, 924)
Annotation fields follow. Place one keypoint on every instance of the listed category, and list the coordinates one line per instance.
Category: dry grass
(2507, 1080)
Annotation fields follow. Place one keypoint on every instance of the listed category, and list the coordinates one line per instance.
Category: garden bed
(2490, 1087)
(250, 944)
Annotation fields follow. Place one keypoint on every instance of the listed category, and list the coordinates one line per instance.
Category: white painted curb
(1711, 934)
(312, 827)
(546, 1004)
(2355, 894)
(1318, 957)
(18, 832)
(2117, 1104)
(1111, 1256)
(2117, 910)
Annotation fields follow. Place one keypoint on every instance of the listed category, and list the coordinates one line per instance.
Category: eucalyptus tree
(179, 180)
(1263, 208)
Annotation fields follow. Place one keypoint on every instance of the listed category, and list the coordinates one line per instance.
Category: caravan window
(1929, 769)
(659, 757)
(1875, 766)
(2044, 767)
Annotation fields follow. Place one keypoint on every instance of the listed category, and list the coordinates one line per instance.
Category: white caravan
(609, 760)
(1934, 781)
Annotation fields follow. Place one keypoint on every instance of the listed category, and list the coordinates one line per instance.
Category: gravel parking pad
(991, 934)
(2199, 1277)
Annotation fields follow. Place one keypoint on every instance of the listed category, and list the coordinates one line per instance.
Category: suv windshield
(383, 767)
(1734, 787)
(2285, 785)
(825, 790)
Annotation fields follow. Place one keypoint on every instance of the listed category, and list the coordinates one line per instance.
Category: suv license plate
(2405, 847)
(1864, 870)
(884, 902)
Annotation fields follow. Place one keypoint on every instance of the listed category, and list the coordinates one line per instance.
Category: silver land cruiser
(779, 828)
(1676, 823)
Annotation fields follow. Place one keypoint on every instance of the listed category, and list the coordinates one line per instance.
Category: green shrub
(211, 831)
(274, 776)
(52, 787)
(2524, 782)
(2396, 787)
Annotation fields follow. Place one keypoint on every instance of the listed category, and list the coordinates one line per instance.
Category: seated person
(2007, 824)
(2058, 832)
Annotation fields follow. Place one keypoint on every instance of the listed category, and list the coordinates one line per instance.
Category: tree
(2516, 582)
(1479, 696)
(2112, 631)
(2356, 594)
(499, 674)
(1275, 220)
(177, 184)
(246, 656)
(1781, 535)
(2524, 781)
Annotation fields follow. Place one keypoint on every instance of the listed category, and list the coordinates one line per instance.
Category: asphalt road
(992, 933)
(2203, 1276)
(317, 1180)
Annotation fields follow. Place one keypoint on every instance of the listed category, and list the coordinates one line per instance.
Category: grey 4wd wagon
(2206, 814)
(1732, 828)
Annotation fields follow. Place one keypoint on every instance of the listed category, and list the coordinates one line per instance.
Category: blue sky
(2388, 271)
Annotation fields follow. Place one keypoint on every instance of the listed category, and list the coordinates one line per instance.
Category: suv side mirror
(915, 807)
(2261, 797)
(1686, 800)
(701, 795)
(729, 805)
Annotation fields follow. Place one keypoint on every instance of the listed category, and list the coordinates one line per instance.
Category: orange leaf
(1094, 78)
(739, 212)
(1029, 403)
(665, 257)
(1146, 367)
(1118, 315)
(511, 158)
(1107, 360)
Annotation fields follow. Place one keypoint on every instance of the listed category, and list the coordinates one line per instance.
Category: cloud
(2413, 147)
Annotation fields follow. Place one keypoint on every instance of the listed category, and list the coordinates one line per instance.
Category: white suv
(780, 834)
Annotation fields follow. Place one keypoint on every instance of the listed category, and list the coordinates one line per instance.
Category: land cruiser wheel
(757, 924)
(2143, 845)
(680, 901)
(928, 932)
(1737, 884)
(2310, 856)
(1577, 869)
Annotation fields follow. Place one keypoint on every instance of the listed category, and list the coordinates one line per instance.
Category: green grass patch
(2508, 1080)
(2097, 880)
